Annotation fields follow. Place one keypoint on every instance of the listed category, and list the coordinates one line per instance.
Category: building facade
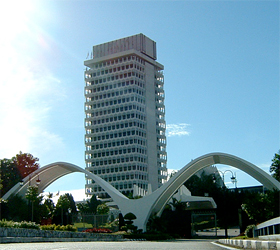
(125, 116)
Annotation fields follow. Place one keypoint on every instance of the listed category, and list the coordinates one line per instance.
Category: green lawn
(83, 225)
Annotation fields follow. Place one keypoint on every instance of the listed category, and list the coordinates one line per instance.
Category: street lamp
(233, 177)
(234, 181)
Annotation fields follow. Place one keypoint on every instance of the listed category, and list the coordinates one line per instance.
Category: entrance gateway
(153, 203)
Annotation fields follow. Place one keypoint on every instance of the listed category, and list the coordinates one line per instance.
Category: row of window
(119, 160)
(106, 104)
(115, 118)
(114, 135)
(120, 186)
(121, 177)
(90, 80)
(119, 143)
(116, 93)
(119, 60)
(120, 168)
(115, 126)
(113, 69)
(126, 177)
(103, 86)
(117, 85)
(119, 152)
(117, 101)
(112, 111)
(118, 118)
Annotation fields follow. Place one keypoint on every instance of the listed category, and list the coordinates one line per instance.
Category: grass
(83, 225)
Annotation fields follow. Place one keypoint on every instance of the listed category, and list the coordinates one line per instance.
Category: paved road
(126, 245)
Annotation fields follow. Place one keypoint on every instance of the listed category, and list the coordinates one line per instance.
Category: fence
(268, 228)
(83, 221)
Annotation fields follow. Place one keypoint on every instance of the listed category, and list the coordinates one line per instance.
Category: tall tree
(72, 203)
(50, 204)
(275, 166)
(26, 163)
(10, 175)
(267, 205)
(90, 206)
(61, 210)
(32, 195)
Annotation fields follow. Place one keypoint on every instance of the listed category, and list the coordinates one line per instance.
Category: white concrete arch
(154, 202)
(210, 159)
(161, 196)
(50, 173)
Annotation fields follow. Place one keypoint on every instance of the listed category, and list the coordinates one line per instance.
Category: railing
(268, 228)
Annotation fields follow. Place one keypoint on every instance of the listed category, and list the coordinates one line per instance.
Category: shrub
(249, 231)
(5, 223)
(130, 217)
(29, 224)
(23, 224)
(70, 228)
(59, 228)
(97, 230)
(48, 227)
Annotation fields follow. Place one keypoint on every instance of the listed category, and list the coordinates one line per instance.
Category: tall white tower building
(125, 116)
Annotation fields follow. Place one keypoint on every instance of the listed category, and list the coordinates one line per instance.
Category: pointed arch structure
(153, 203)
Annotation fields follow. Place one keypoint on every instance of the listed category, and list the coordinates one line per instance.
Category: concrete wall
(35, 235)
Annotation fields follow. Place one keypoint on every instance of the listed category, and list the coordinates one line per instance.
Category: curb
(41, 239)
(252, 244)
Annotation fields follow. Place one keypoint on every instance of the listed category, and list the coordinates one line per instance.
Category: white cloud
(177, 129)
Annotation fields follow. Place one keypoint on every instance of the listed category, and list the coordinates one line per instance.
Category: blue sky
(221, 62)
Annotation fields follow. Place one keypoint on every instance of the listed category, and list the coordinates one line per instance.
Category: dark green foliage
(61, 213)
(35, 204)
(9, 174)
(157, 224)
(22, 224)
(50, 206)
(261, 207)
(129, 218)
(72, 203)
(178, 205)
(102, 209)
(177, 223)
(15, 209)
(121, 221)
(275, 166)
(249, 231)
(228, 201)
(90, 206)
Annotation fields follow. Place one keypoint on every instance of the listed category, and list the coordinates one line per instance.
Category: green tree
(72, 203)
(14, 170)
(102, 209)
(267, 205)
(16, 209)
(178, 205)
(61, 210)
(275, 166)
(90, 206)
(10, 175)
(129, 218)
(50, 205)
(33, 196)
